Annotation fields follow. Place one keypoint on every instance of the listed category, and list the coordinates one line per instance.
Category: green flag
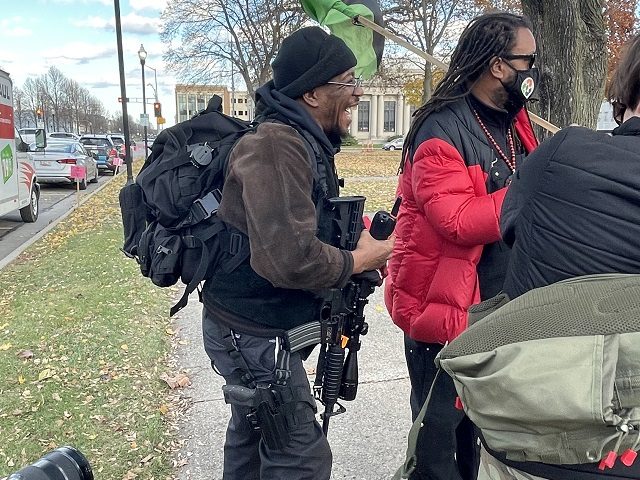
(338, 15)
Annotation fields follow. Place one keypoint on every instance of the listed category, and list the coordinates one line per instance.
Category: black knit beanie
(309, 58)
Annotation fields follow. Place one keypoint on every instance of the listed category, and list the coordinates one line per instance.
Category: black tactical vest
(250, 298)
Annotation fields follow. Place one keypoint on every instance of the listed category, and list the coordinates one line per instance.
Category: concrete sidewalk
(368, 441)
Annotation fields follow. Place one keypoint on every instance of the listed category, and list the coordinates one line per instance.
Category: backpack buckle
(208, 204)
(235, 243)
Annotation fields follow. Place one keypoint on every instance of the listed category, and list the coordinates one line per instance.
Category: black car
(104, 148)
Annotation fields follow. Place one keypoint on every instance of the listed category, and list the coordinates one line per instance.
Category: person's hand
(384, 271)
(371, 254)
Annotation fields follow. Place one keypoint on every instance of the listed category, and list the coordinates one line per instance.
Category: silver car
(64, 136)
(53, 164)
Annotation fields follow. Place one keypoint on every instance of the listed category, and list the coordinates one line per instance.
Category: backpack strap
(193, 241)
(231, 241)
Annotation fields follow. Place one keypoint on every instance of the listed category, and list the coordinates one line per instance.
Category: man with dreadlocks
(462, 148)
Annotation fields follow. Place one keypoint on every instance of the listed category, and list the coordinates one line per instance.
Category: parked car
(395, 144)
(64, 136)
(118, 142)
(104, 148)
(28, 134)
(53, 163)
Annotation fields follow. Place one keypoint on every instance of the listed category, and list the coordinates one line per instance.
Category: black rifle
(342, 314)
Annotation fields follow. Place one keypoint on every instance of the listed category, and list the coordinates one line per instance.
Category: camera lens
(64, 463)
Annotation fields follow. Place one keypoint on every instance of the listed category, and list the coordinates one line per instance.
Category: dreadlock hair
(487, 36)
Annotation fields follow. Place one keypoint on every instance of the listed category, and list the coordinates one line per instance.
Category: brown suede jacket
(267, 196)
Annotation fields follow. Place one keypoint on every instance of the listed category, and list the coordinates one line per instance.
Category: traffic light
(39, 113)
(157, 110)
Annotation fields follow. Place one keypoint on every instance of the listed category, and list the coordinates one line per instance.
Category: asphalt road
(55, 201)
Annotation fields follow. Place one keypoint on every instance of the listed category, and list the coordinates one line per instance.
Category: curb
(11, 256)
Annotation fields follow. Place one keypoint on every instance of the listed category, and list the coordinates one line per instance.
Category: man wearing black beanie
(275, 192)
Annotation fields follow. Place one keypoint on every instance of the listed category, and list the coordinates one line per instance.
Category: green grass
(380, 194)
(355, 163)
(371, 174)
(93, 334)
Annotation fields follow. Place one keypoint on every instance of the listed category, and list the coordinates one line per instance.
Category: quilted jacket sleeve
(526, 183)
(447, 191)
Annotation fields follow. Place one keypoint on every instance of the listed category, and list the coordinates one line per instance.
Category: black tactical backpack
(169, 213)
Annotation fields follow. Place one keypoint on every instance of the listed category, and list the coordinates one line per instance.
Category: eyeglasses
(531, 57)
(357, 83)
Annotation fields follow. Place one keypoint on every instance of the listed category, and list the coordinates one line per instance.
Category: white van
(19, 189)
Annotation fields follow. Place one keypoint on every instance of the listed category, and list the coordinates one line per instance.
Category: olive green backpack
(552, 376)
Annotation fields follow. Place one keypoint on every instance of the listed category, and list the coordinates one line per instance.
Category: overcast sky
(78, 37)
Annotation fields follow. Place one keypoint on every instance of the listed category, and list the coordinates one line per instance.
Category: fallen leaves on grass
(25, 354)
(179, 380)
(380, 194)
(375, 164)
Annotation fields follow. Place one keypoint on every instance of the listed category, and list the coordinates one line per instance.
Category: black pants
(447, 445)
(307, 456)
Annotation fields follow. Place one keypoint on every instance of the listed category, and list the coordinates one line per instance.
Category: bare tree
(431, 25)
(54, 80)
(73, 93)
(19, 102)
(572, 41)
(63, 102)
(209, 38)
(31, 92)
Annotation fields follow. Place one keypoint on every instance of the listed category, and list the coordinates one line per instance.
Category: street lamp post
(142, 54)
(155, 90)
(155, 94)
(155, 80)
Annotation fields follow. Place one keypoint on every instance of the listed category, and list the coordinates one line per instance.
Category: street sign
(40, 124)
(117, 161)
(144, 119)
(77, 172)
(162, 120)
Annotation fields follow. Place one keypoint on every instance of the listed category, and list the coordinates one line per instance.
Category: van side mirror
(41, 138)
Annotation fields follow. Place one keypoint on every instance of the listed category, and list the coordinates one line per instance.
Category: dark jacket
(574, 209)
(450, 211)
(273, 185)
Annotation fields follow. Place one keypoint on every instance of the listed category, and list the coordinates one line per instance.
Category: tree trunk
(571, 40)
(427, 83)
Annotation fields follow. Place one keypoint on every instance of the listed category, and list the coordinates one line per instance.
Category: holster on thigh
(275, 410)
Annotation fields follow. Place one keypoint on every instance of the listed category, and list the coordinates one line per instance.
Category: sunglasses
(531, 57)
(357, 83)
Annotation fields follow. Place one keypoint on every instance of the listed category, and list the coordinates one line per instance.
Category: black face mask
(522, 89)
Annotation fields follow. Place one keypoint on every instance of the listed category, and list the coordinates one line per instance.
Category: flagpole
(360, 20)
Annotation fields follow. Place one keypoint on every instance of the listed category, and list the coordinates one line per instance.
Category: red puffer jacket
(445, 219)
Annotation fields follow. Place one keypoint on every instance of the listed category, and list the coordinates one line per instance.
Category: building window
(390, 116)
(202, 102)
(363, 116)
(182, 107)
(191, 105)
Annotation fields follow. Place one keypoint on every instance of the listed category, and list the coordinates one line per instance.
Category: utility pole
(142, 54)
(233, 91)
(123, 93)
